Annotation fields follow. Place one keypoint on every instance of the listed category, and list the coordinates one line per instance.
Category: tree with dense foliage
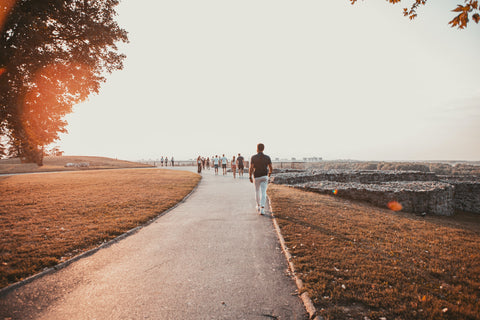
(470, 8)
(53, 55)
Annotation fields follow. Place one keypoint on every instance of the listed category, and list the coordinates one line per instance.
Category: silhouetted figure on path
(261, 169)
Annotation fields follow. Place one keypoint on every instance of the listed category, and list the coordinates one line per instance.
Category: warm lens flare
(55, 89)
(335, 191)
(395, 206)
(2, 70)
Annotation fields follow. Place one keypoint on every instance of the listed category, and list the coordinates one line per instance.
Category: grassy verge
(361, 261)
(48, 218)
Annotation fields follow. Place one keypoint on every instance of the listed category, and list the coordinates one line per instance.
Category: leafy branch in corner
(470, 8)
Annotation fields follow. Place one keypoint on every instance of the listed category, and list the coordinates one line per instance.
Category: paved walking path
(212, 257)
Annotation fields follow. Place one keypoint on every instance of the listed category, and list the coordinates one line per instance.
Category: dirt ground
(48, 218)
(362, 262)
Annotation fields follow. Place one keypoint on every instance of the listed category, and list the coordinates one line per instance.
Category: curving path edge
(211, 257)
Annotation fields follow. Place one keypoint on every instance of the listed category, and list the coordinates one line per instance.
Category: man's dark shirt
(260, 164)
(240, 161)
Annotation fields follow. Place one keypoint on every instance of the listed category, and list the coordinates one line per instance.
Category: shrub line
(307, 302)
(8, 289)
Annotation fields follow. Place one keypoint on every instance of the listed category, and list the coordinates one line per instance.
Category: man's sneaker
(262, 211)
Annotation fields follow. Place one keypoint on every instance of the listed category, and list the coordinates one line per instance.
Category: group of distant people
(259, 171)
(216, 162)
(165, 160)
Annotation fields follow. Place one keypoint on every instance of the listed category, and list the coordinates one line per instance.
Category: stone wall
(361, 176)
(443, 167)
(415, 197)
(417, 192)
(467, 192)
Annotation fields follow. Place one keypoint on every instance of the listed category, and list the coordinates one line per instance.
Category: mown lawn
(48, 218)
(361, 261)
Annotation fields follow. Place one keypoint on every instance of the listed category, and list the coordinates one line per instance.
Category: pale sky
(306, 78)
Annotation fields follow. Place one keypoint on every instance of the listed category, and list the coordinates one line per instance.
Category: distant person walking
(166, 161)
(173, 162)
(261, 169)
(240, 165)
(199, 164)
(234, 166)
(208, 163)
(215, 164)
(161, 160)
(224, 164)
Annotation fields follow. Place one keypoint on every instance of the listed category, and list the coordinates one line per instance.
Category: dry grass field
(58, 164)
(48, 218)
(362, 262)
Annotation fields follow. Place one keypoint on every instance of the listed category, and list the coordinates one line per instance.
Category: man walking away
(240, 165)
(215, 164)
(261, 169)
(224, 164)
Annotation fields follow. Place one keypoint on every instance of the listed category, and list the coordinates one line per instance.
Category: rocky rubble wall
(418, 192)
(362, 176)
(416, 197)
(443, 167)
(467, 196)
(467, 192)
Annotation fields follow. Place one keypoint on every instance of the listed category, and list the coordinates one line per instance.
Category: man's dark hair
(260, 147)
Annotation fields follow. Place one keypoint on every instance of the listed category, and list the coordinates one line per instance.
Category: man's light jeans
(261, 184)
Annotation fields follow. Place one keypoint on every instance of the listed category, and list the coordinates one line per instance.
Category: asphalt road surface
(212, 257)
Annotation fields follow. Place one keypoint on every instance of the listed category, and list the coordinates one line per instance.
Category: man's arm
(250, 172)
(270, 169)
